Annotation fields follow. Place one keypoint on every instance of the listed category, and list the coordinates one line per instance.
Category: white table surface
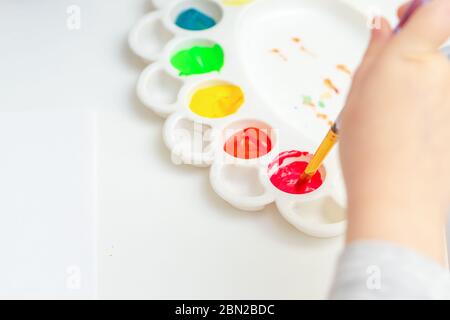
(47, 206)
(162, 232)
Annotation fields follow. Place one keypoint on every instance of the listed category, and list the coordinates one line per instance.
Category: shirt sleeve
(381, 270)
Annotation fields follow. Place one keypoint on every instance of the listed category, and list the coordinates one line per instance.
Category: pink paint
(286, 170)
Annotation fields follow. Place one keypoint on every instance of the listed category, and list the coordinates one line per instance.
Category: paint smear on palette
(286, 170)
(236, 2)
(278, 52)
(323, 116)
(198, 60)
(298, 40)
(195, 20)
(217, 101)
(325, 96)
(330, 85)
(308, 101)
(343, 68)
(249, 143)
(306, 50)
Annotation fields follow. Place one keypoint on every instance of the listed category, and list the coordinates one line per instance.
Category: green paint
(321, 104)
(307, 100)
(198, 60)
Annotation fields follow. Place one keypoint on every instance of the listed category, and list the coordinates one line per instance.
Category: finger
(428, 28)
(402, 10)
(380, 37)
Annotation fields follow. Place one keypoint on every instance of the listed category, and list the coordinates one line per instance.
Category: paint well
(287, 170)
(194, 20)
(217, 101)
(249, 143)
(198, 60)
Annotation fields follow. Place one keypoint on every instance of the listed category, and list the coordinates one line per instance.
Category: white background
(162, 232)
(47, 206)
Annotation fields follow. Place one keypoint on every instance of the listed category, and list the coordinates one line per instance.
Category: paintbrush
(333, 134)
(409, 12)
(321, 153)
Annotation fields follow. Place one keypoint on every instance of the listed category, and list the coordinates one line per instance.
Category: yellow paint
(326, 96)
(236, 2)
(217, 101)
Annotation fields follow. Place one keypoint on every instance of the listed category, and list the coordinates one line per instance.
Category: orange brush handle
(321, 153)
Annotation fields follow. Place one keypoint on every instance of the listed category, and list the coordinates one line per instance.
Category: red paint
(249, 143)
(286, 171)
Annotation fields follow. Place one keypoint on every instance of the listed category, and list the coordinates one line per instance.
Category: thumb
(428, 28)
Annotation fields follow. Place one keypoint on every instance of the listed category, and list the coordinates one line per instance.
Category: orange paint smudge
(279, 53)
(327, 82)
(305, 50)
(322, 116)
(308, 103)
(344, 68)
(302, 47)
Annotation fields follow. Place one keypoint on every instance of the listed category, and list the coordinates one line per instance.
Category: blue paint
(192, 19)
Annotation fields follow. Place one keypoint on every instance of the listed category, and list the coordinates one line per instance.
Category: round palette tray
(285, 67)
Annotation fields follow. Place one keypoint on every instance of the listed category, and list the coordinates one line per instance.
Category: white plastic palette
(280, 53)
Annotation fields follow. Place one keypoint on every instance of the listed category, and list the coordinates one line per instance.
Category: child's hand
(395, 144)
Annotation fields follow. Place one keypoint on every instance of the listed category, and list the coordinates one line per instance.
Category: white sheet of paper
(47, 199)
